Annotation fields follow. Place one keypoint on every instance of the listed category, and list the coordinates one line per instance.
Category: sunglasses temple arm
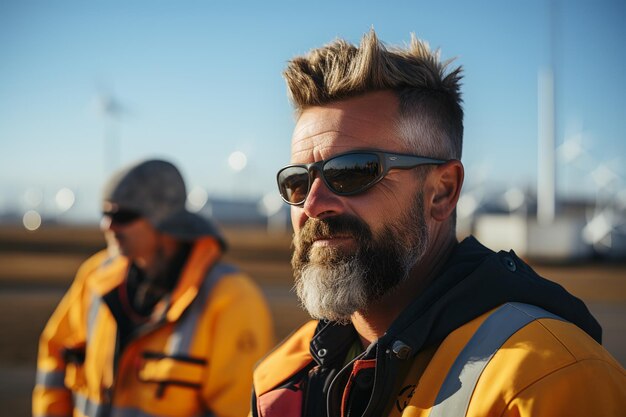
(407, 161)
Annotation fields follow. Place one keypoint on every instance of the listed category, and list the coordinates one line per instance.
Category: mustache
(341, 225)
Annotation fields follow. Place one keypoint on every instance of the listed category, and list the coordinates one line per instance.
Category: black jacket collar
(474, 281)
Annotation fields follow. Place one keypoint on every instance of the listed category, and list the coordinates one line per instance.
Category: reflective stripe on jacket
(516, 360)
(193, 358)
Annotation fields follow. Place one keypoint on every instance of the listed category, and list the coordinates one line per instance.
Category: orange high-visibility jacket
(474, 344)
(194, 357)
(547, 368)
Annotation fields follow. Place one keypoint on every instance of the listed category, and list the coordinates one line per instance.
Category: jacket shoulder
(550, 356)
(96, 261)
(102, 271)
(229, 280)
(289, 357)
(518, 365)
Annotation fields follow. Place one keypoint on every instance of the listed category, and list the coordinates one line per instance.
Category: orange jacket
(546, 368)
(488, 337)
(194, 357)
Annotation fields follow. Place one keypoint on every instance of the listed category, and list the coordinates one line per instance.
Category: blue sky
(199, 80)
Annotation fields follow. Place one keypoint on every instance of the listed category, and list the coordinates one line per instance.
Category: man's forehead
(371, 108)
(109, 207)
(367, 121)
(321, 121)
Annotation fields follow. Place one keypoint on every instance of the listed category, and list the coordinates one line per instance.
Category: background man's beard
(333, 284)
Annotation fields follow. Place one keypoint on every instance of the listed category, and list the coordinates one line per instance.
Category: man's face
(352, 250)
(135, 239)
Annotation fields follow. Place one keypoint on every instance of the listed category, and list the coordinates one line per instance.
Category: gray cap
(156, 190)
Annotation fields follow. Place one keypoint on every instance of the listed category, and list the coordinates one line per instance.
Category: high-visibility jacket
(194, 357)
(444, 357)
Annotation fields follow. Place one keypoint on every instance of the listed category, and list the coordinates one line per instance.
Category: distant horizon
(251, 212)
(200, 84)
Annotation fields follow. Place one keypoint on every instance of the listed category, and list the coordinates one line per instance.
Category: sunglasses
(345, 174)
(121, 217)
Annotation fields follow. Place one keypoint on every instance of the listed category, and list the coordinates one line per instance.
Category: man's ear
(447, 183)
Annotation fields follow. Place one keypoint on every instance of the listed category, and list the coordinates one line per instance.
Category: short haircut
(431, 115)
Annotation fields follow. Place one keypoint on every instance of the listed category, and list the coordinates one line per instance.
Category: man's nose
(106, 224)
(321, 202)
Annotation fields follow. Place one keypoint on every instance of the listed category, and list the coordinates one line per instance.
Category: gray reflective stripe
(49, 415)
(51, 379)
(455, 392)
(134, 412)
(92, 409)
(96, 301)
(180, 340)
(88, 407)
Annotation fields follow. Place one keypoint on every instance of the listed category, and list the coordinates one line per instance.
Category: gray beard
(332, 293)
(332, 285)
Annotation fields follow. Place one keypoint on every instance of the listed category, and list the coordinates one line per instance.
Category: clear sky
(199, 80)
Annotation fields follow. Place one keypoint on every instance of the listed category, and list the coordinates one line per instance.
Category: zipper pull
(160, 392)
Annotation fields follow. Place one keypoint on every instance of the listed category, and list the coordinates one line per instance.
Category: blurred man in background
(410, 321)
(157, 325)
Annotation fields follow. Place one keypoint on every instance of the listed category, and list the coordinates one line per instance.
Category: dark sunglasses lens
(293, 184)
(352, 173)
(123, 216)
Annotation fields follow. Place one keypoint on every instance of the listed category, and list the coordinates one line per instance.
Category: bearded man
(408, 320)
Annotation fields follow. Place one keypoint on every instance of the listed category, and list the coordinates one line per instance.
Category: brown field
(37, 267)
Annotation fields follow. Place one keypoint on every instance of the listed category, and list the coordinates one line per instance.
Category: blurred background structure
(86, 88)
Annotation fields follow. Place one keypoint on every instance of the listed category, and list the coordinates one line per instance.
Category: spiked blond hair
(431, 116)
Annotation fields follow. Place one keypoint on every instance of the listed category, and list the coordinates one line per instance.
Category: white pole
(546, 175)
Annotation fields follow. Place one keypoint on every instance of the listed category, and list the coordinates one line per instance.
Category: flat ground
(37, 267)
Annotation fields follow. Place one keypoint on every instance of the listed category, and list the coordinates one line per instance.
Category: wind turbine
(111, 110)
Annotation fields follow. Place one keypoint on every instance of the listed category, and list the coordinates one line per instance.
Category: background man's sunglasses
(121, 217)
(345, 174)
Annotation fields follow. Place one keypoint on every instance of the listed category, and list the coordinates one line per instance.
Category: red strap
(357, 366)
